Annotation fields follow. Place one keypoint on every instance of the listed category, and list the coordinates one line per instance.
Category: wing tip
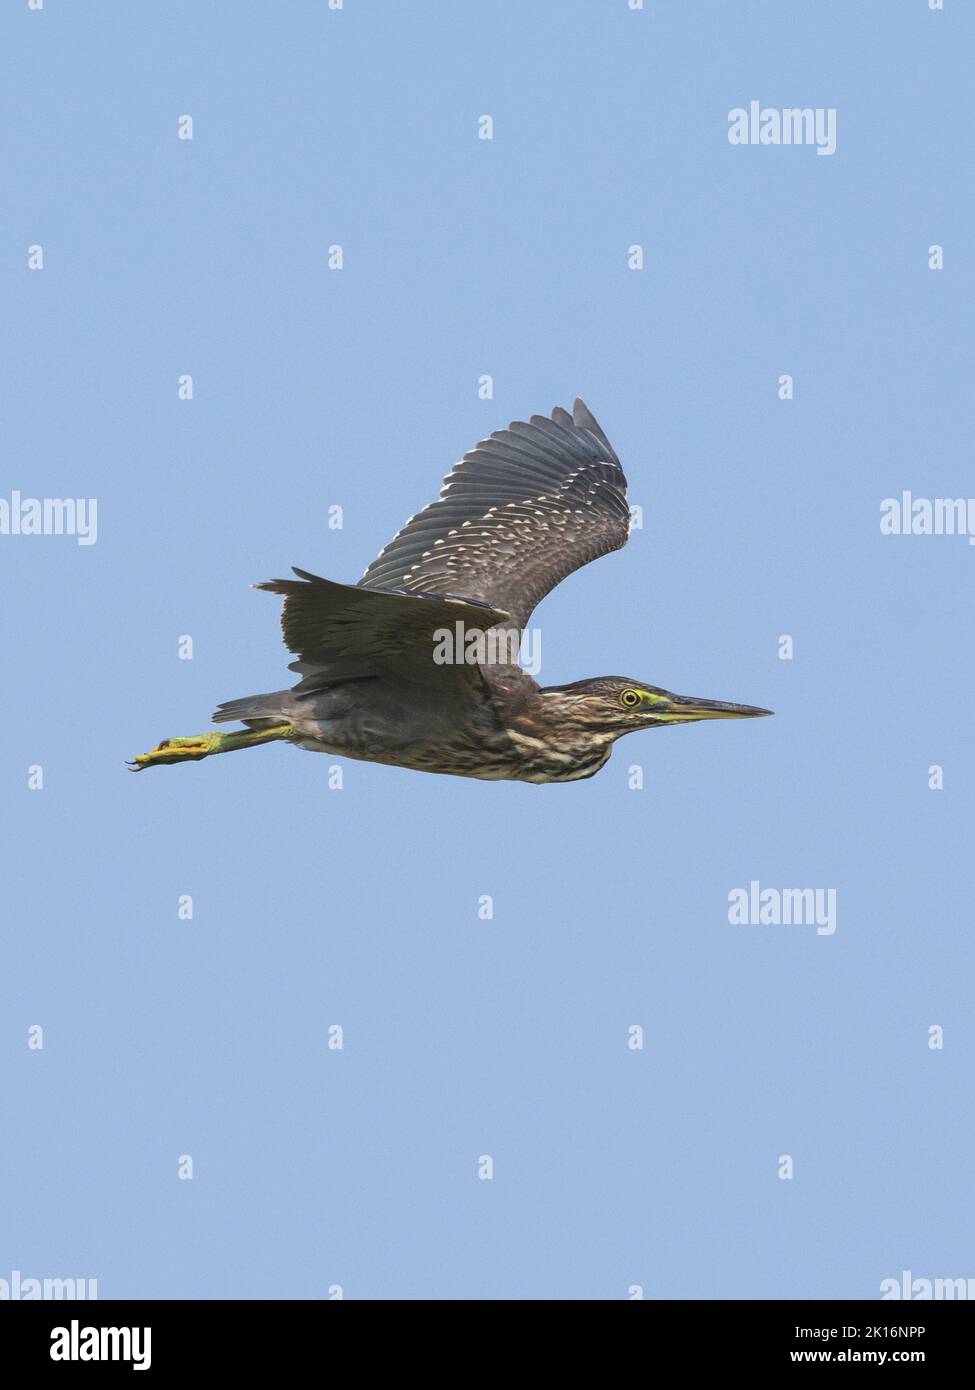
(583, 419)
(582, 416)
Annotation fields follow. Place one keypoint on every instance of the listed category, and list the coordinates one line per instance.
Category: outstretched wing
(521, 511)
(343, 632)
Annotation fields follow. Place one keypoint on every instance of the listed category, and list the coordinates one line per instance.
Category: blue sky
(613, 1167)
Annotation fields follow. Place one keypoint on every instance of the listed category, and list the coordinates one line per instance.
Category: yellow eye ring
(630, 699)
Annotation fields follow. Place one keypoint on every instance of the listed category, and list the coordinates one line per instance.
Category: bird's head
(617, 705)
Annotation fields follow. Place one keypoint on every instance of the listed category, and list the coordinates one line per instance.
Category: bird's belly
(506, 763)
(465, 742)
(430, 758)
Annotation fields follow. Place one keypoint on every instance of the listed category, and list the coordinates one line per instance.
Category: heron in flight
(518, 514)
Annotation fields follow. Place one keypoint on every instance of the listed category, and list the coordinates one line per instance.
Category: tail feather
(257, 711)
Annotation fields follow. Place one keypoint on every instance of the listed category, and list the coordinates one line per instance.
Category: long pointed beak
(682, 709)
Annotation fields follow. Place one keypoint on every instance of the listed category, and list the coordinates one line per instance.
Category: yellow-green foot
(179, 750)
(197, 746)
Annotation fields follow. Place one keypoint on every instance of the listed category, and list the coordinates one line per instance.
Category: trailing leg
(197, 746)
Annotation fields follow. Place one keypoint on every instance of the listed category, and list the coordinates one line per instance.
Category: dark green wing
(518, 514)
(344, 632)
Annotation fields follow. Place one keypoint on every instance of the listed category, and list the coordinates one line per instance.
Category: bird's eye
(630, 698)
